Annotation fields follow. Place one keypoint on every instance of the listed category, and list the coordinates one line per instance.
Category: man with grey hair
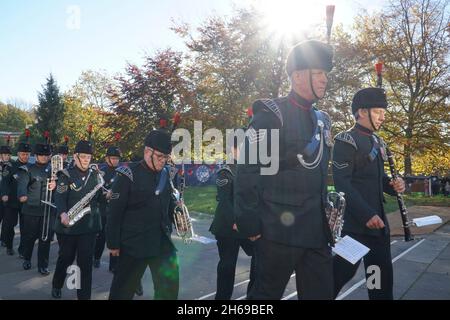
(285, 212)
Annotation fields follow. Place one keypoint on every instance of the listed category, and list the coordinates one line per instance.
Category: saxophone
(334, 210)
(81, 208)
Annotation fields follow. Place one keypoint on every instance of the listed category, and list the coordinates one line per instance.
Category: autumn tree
(14, 119)
(232, 61)
(78, 117)
(146, 94)
(412, 38)
(92, 89)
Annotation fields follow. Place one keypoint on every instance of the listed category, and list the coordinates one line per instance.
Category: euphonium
(335, 208)
(182, 219)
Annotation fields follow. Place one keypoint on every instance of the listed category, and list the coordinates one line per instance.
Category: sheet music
(425, 221)
(350, 249)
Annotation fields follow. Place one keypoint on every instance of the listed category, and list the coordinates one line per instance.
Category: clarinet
(401, 203)
(394, 174)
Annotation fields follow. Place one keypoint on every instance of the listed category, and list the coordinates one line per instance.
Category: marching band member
(285, 211)
(9, 196)
(358, 171)
(140, 224)
(77, 183)
(32, 186)
(5, 165)
(63, 151)
(229, 240)
(108, 169)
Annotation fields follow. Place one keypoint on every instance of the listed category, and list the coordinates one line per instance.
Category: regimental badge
(221, 182)
(61, 188)
(328, 138)
(255, 136)
(340, 166)
(74, 187)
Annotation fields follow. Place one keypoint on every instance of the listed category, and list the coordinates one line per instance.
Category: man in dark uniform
(108, 170)
(63, 151)
(286, 209)
(5, 165)
(225, 230)
(358, 171)
(140, 224)
(9, 197)
(77, 240)
(32, 187)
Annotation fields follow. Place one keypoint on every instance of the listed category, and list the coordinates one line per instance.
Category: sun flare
(289, 17)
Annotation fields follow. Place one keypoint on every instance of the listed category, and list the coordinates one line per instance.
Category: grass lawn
(417, 199)
(203, 199)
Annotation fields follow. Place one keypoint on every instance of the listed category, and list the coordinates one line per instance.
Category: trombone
(56, 165)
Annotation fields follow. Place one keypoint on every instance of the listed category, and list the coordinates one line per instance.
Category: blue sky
(39, 37)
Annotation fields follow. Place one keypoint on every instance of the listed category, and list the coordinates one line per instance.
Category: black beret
(369, 98)
(310, 54)
(24, 147)
(5, 150)
(84, 146)
(113, 152)
(63, 149)
(159, 140)
(42, 149)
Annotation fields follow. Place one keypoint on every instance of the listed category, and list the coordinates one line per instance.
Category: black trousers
(2, 213)
(21, 225)
(129, 271)
(100, 241)
(379, 255)
(276, 263)
(10, 217)
(79, 246)
(226, 268)
(32, 231)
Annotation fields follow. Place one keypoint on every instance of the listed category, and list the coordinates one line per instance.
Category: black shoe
(26, 265)
(44, 271)
(139, 290)
(21, 256)
(10, 252)
(97, 263)
(3, 244)
(56, 293)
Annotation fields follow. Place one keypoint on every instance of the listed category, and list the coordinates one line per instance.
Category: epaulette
(102, 167)
(347, 138)
(126, 171)
(225, 168)
(64, 172)
(327, 119)
(268, 104)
